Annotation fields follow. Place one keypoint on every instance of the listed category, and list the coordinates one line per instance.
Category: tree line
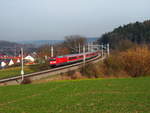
(70, 45)
(125, 36)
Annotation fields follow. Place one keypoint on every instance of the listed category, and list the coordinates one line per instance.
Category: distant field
(14, 71)
(131, 95)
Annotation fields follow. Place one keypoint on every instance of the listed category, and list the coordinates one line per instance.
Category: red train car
(67, 59)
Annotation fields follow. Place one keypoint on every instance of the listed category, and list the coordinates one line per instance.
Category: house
(11, 62)
(3, 64)
(18, 60)
(29, 58)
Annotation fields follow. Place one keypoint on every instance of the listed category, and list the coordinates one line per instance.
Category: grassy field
(13, 71)
(129, 95)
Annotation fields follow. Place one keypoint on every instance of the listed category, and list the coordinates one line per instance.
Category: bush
(136, 62)
(133, 62)
(112, 65)
(90, 70)
(71, 74)
(26, 81)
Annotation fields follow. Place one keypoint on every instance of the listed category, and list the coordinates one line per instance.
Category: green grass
(81, 96)
(13, 71)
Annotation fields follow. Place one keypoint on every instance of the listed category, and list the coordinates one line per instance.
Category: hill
(13, 48)
(7, 44)
(80, 96)
(43, 42)
(138, 32)
(8, 48)
(40, 42)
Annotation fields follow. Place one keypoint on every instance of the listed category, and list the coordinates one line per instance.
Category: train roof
(71, 55)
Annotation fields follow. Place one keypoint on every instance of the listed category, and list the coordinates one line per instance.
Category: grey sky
(54, 19)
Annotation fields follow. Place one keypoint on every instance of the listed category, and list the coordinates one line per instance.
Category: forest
(125, 36)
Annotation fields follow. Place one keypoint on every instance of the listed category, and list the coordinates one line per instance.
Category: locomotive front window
(52, 59)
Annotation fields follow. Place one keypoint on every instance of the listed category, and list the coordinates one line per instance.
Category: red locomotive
(67, 59)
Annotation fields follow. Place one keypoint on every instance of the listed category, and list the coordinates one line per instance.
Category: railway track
(46, 73)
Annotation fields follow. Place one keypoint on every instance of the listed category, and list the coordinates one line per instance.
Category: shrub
(90, 70)
(26, 81)
(133, 62)
(136, 61)
(112, 65)
(71, 74)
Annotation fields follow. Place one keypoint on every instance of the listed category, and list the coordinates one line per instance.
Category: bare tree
(44, 50)
(60, 49)
(74, 43)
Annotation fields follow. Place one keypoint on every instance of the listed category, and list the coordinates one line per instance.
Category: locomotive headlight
(52, 62)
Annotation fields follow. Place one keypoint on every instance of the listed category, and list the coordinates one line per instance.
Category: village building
(29, 58)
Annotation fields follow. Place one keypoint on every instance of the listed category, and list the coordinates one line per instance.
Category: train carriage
(68, 59)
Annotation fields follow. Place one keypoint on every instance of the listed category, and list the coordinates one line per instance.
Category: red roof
(7, 57)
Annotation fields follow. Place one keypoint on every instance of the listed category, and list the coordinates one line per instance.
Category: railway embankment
(46, 73)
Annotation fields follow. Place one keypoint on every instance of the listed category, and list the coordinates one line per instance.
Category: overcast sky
(54, 19)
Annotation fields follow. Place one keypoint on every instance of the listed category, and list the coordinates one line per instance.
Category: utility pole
(84, 54)
(108, 49)
(79, 48)
(92, 47)
(15, 51)
(102, 50)
(52, 51)
(89, 47)
(22, 67)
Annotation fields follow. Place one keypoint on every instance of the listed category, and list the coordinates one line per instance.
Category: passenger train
(72, 58)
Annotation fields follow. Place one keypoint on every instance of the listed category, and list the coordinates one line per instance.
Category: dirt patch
(64, 76)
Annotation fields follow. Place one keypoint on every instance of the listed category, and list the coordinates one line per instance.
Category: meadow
(16, 71)
(13, 71)
(124, 95)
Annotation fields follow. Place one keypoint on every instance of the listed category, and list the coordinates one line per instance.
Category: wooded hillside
(137, 33)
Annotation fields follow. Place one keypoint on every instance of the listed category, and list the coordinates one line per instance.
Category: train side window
(81, 56)
(87, 55)
(71, 58)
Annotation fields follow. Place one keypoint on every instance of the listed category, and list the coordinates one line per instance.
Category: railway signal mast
(103, 48)
(52, 51)
(108, 52)
(84, 55)
(22, 67)
(79, 48)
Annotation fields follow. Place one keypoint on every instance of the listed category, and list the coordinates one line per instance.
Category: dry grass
(133, 62)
